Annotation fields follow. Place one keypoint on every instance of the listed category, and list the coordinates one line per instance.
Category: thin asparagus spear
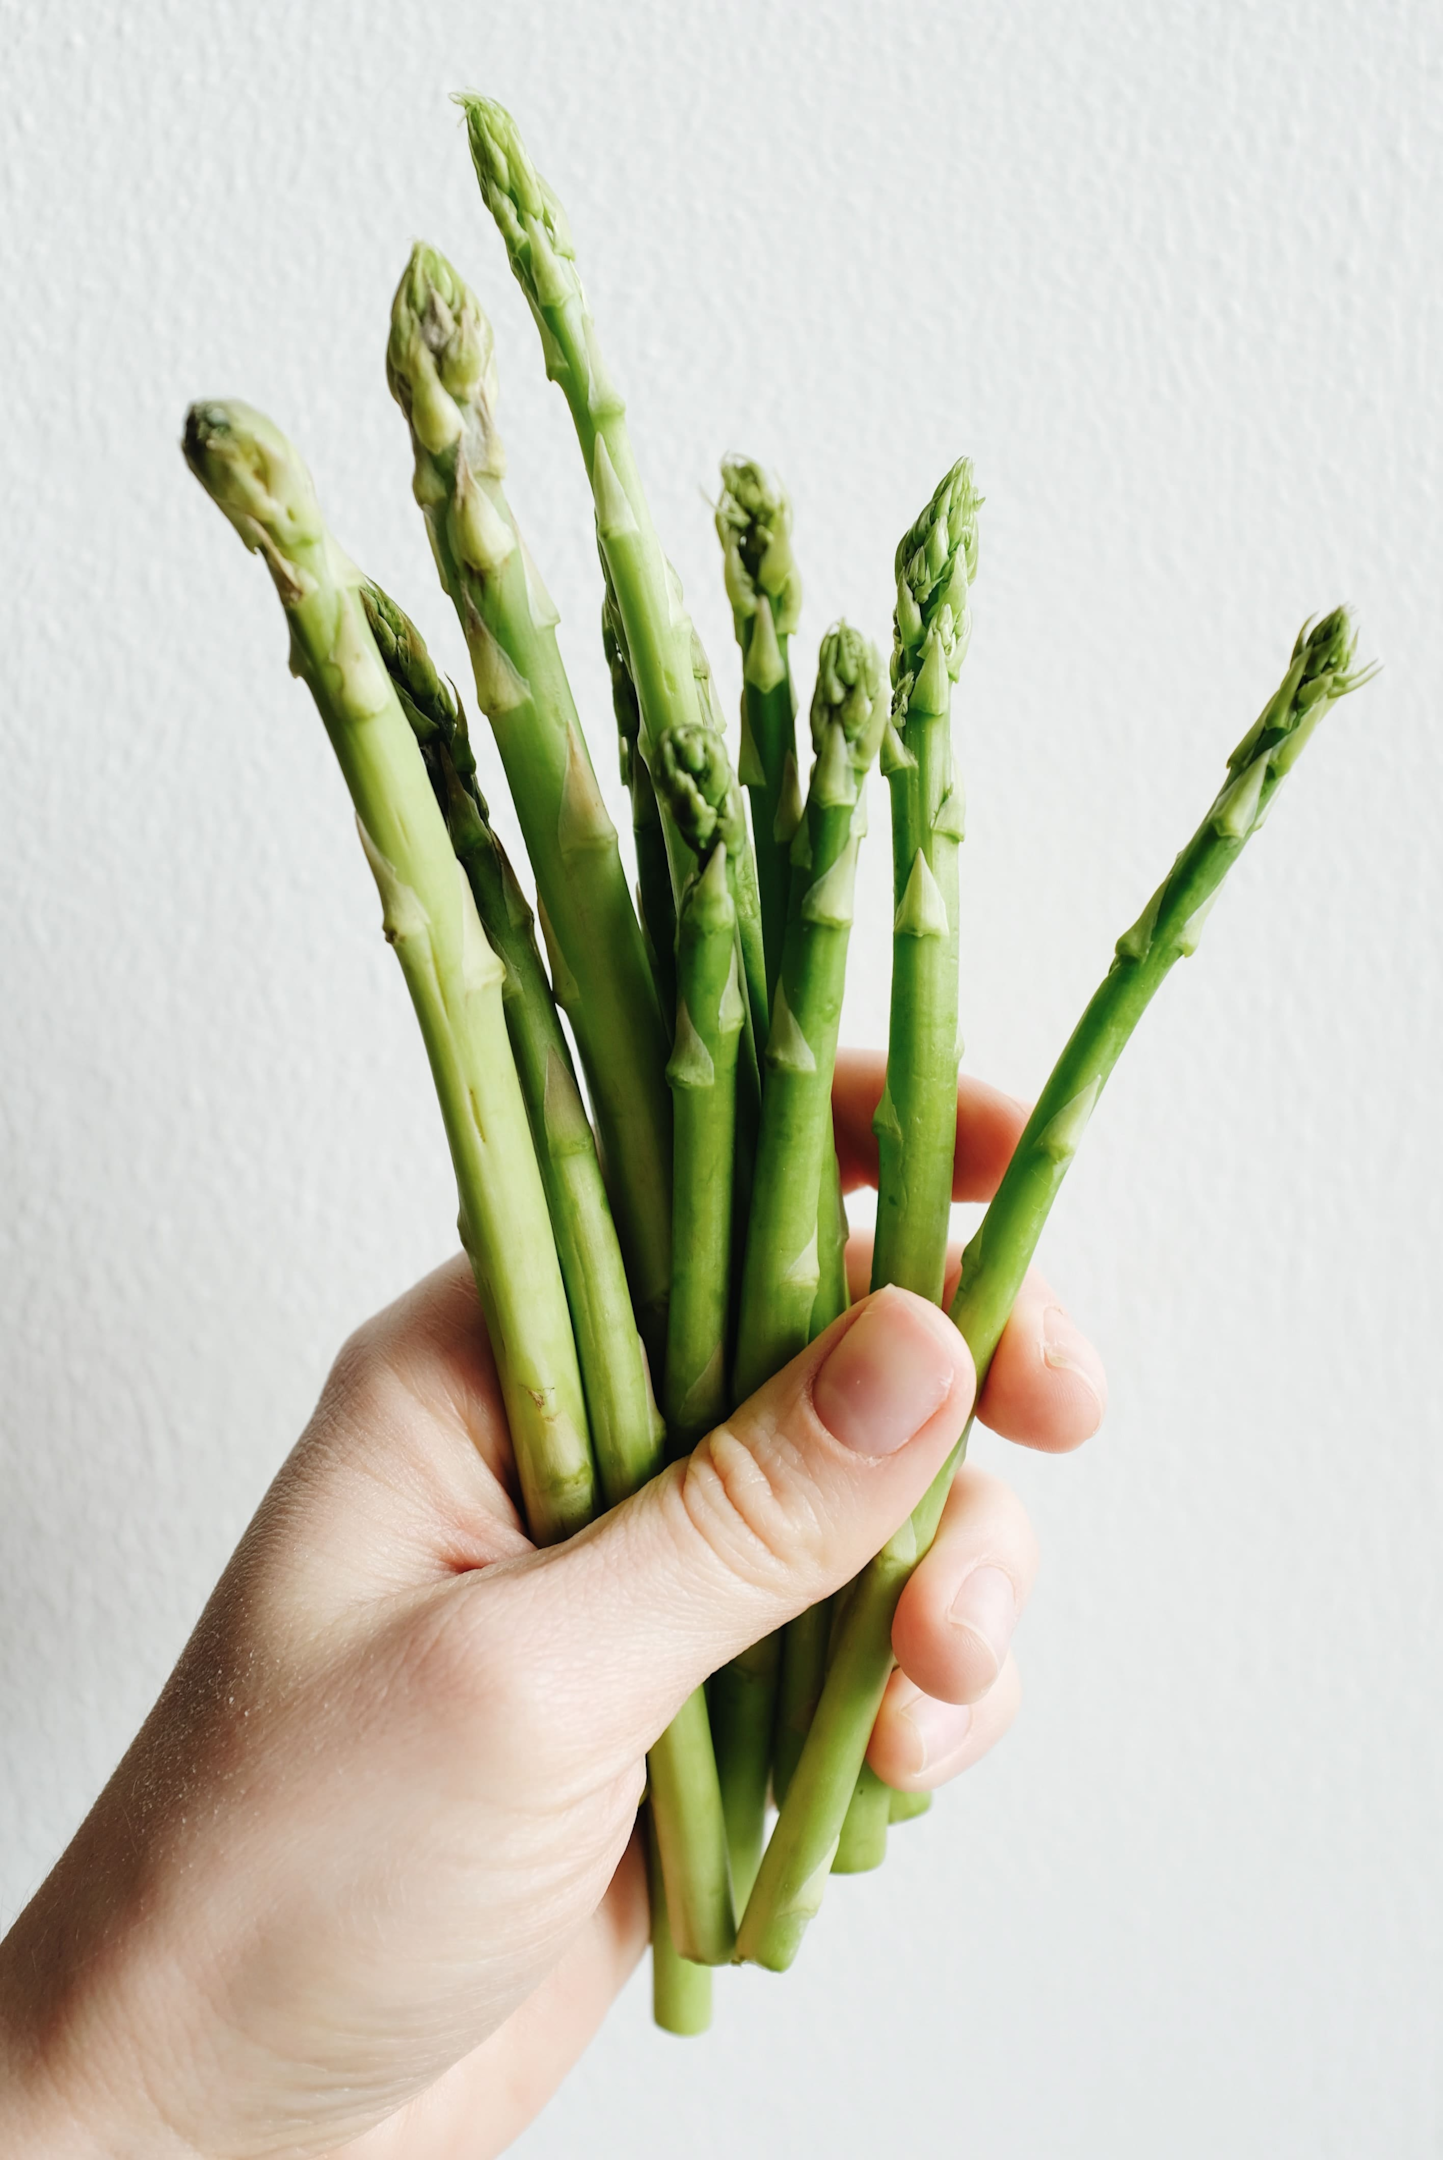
(659, 634)
(680, 1991)
(754, 525)
(626, 1430)
(916, 1120)
(907, 1806)
(653, 873)
(255, 476)
(703, 1078)
(794, 1869)
(780, 1273)
(440, 367)
(779, 1282)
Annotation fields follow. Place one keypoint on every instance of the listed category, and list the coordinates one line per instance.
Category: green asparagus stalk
(780, 1273)
(653, 872)
(779, 1282)
(754, 525)
(907, 1806)
(790, 1885)
(626, 1430)
(256, 478)
(916, 1120)
(658, 630)
(680, 1991)
(703, 1078)
(440, 367)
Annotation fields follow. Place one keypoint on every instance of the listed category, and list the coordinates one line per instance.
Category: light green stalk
(780, 1276)
(680, 1991)
(793, 1876)
(653, 873)
(439, 364)
(907, 1806)
(754, 525)
(255, 476)
(781, 1270)
(659, 633)
(916, 1120)
(703, 1078)
(626, 1431)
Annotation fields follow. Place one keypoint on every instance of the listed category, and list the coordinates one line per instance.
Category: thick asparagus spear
(626, 1430)
(439, 363)
(754, 525)
(779, 1280)
(916, 1120)
(255, 476)
(680, 1990)
(794, 1869)
(653, 872)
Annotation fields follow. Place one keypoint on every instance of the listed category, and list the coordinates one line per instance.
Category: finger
(1046, 1386)
(919, 1743)
(988, 1126)
(956, 1615)
(773, 1511)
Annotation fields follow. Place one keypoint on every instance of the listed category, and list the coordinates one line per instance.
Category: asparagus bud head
(531, 220)
(754, 526)
(694, 777)
(440, 361)
(936, 564)
(257, 478)
(849, 691)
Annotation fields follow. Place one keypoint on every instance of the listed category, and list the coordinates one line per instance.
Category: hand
(366, 1878)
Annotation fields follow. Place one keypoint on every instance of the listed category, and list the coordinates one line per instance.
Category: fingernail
(986, 1606)
(937, 1728)
(1066, 1349)
(891, 1370)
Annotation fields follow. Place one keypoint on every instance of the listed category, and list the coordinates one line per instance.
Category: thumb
(774, 1510)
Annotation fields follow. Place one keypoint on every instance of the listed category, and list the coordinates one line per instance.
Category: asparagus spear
(255, 476)
(779, 1281)
(653, 873)
(659, 634)
(794, 1869)
(680, 1991)
(916, 1120)
(754, 525)
(702, 1074)
(626, 1431)
(780, 1272)
(439, 364)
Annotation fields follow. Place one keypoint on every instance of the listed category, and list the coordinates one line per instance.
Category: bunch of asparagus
(689, 1229)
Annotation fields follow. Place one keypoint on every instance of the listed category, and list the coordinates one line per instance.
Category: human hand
(366, 1878)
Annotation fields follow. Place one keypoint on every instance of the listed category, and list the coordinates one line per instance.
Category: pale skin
(366, 1882)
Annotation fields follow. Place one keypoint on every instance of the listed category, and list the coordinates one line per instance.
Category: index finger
(989, 1125)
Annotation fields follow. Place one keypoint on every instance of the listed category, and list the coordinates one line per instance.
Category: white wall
(1170, 275)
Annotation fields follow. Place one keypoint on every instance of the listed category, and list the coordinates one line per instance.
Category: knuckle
(753, 1514)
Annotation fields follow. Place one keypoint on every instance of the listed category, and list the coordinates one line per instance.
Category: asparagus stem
(862, 1845)
(439, 364)
(907, 1806)
(653, 872)
(255, 476)
(916, 1120)
(691, 1832)
(680, 1991)
(659, 634)
(703, 1077)
(743, 1699)
(790, 1884)
(754, 523)
(626, 1430)
(804, 1668)
(781, 1269)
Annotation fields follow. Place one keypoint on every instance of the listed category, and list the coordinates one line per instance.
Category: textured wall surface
(1171, 277)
